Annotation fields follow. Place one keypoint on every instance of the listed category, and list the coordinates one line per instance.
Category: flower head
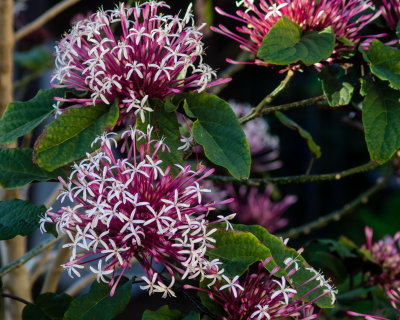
(347, 18)
(261, 294)
(132, 209)
(391, 12)
(132, 54)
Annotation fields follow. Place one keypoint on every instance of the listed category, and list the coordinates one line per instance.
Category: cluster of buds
(131, 209)
(260, 294)
(346, 17)
(132, 55)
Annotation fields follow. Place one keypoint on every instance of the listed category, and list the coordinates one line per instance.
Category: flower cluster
(346, 17)
(391, 12)
(387, 255)
(131, 209)
(133, 55)
(258, 208)
(260, 294)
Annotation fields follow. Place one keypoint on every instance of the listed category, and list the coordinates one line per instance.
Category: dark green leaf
(398, 30)
(314, 148)
(17, 169)
(192, 316)
(219, 132)
(384, 62)
(337, 89)
(21, 118)
(164, 313)
(279, 253)
(381, 119)
(19, 217)
(48, 306)
(238, 250)
(285, 44)
(165, 126)
(97, 303)
(69, 137)
(37, 58)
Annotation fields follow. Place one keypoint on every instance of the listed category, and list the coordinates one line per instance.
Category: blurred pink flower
(391, 12)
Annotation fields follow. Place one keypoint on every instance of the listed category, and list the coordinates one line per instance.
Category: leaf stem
(11, 296)
(258, 111)
(28, 256)
(292, 105)
(300, 178)
(335, 215)
(44, 18)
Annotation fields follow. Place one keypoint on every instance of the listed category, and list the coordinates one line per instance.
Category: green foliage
(314, 148)
(381, 119)
(70, 136)
(219, 132)
(279, 253)
(19, 217)
(17, 169)
(286, 44)
(21, 118)
(166, 126)
(384, 62)
(165, 313)
(48, 306)
(37, 58)
(337, 89)
(97, 303)
(238, 250)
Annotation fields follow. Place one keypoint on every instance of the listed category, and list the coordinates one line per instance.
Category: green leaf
(164, 313)
(314, 148)
(384, 62)
(97, 303)
(166, 126)
(337, 89)
(69, 137)
(21, 118)
(219, 132)
(398, 30)
(381, 119)
(19, 217)
(48, 306)
(279, 253)
(35, 59)
(285, 44)
(238, 250)
(17, 169)
(192, 316)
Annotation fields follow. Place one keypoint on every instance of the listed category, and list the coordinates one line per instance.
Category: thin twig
(53, 196)
(11, 296)
(335, 215)
(44, 18)
(28, 256)
(300, 178)
(292, 105)
(258, 111)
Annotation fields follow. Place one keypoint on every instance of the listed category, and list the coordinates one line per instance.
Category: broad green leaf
(48, 306)
(285, 44)
(37, 58)
(164, 313)
(19, 217)
(21, 118)
(384, 62)
(219, 132)
(381, 119)
(97, 303)
(279, 253)
(69, 137)
(238, 250)
(17, 169)
(314, 148)
(166, 127)
(337, 89)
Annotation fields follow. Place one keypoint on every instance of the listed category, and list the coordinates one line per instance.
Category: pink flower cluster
(346, 17)
(391, 12)
(133, 55)
(131, 209)
(260, 294)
